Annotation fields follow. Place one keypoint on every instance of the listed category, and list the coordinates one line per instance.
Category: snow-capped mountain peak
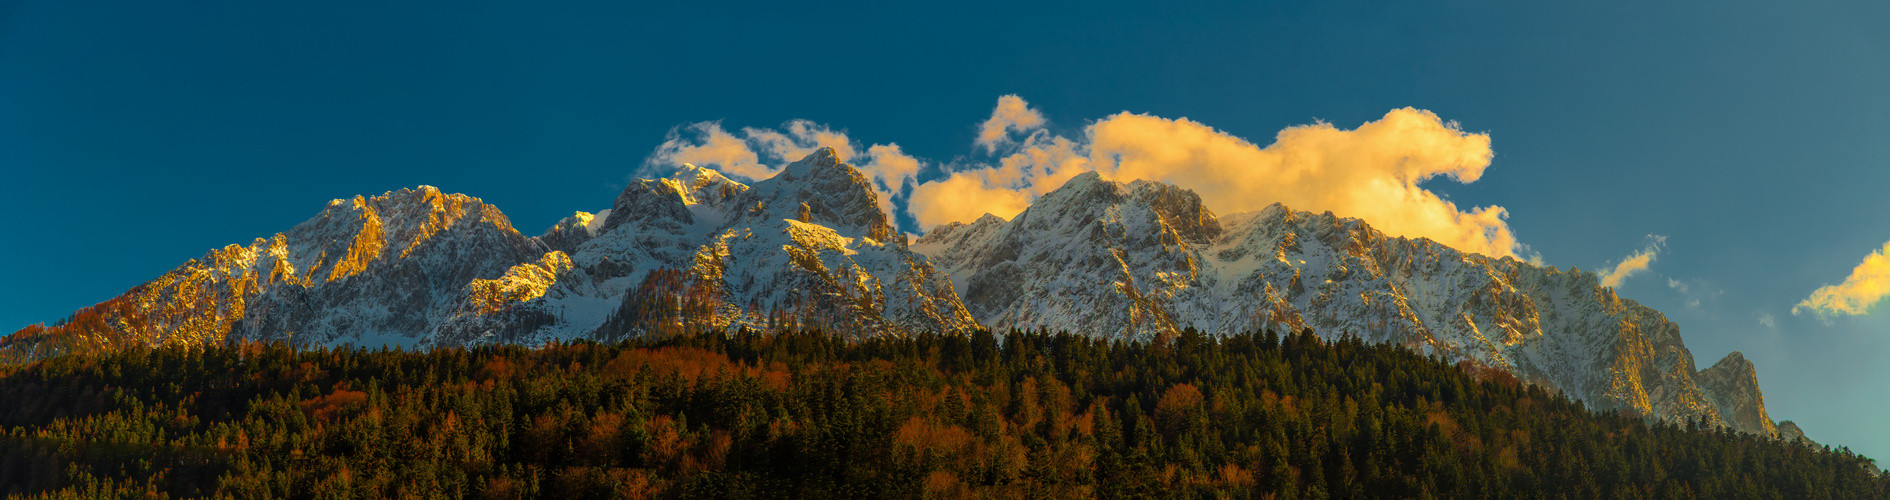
(1145, 259)
(818, 189)
(694, 251)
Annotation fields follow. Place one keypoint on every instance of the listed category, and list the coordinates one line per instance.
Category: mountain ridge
(1143, 259)
(811, 247)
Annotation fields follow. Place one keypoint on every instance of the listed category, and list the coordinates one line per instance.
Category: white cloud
(1768, 320)
(1867, 285)
(1635, 263)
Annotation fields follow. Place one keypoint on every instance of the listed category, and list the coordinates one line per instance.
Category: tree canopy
(802, 414)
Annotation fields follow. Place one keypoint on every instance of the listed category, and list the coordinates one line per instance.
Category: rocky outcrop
(1789, 432)
(1733, 385)
(569, 232)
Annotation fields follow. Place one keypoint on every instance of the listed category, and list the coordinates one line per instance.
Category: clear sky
(1753, 137)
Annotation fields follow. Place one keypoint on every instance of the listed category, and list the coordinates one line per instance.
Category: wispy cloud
(1638, 262)
(1695, 293)
(1677, 285)
(1868, 284)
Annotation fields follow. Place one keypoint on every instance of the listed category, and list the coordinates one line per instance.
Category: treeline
(807, 415)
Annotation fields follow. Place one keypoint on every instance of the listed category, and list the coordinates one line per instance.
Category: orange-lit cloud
(1011, 115)
(1868, 284)
(1372, 172)
(759, 153)
(1636, 263)
(711, 146)
(964, 197)
(801, 138)
(890, 168)
(1042, 164)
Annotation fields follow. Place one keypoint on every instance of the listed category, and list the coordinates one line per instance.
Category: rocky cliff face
(1733, 386)
(1142, 259)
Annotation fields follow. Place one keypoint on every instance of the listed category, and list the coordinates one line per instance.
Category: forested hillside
(808, 415)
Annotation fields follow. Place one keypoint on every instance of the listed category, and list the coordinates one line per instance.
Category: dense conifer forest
(808, 415)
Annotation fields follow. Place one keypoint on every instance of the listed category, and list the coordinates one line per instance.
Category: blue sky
(1754, 136)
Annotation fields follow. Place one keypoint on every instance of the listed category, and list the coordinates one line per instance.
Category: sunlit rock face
(381, 269)
(1143, 259)
(1095, 257)
(694, 251)
(434, 246)
(1732, 385)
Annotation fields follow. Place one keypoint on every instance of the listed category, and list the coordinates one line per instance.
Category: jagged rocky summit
(697, 251)
(367, 269)
(693, 251)
(1141, 259)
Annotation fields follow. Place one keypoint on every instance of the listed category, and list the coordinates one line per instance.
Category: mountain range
(811, 248)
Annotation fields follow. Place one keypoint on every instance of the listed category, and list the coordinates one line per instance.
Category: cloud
(1039, 165)
(1636, 263)
(1768, 320)
(1695, 292)
(1677, 285)
(1011, 115)
(965, 196)
(1868, 284)
(1372, 172)
(890, 168)
(710, 146)
(759, 153)
(800, 139)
